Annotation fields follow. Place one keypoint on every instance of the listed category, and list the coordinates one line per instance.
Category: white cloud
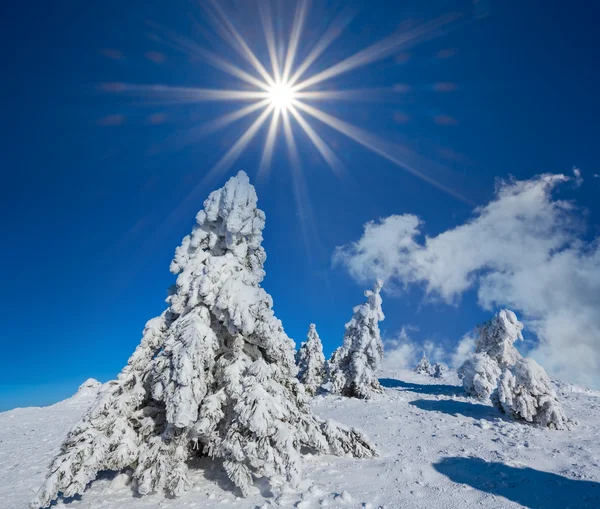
(403, 352)
(383, 250)
(578, 177)
(522, 250)
(434, 351)
(465, 347)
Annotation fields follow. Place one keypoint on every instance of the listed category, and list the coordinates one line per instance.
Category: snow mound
(91, 386)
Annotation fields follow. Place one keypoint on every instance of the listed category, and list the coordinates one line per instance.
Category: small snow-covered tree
(335, 375)
(494, 351)
(424, 367)
(213, 375)
(439, 370)
(353, 366)
(525, 392)
(311, 362)
(479, 375)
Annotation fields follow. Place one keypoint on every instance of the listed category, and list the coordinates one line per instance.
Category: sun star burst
(287, 95)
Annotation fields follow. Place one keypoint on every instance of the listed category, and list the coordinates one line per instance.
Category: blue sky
(88, 182)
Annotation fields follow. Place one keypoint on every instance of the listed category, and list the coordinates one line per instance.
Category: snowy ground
(438, 448)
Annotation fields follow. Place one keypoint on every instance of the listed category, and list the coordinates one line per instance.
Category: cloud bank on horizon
(524, 250)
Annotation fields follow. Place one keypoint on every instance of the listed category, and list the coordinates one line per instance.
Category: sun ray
(267, 22)
(393, 153)
(227, 119)
(378, 51)
(330, 35)
(301, 196)
(215, 125)
(330, 158)
(234, 152)
(299, 19)
(191, 48)
(363, 94)
(290, 140)
(267, 155)
(190, 94)
(238, 43)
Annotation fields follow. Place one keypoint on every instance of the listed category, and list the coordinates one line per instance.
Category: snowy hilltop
(215, 407)
(438, 448)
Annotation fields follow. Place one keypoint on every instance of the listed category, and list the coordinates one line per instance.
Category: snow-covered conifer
(497, 338)
(424, 367)
(311, 362)
(525, 393)
(479, 375)
(494, 351)
(353, 366)
(439, 370)
(214, 375)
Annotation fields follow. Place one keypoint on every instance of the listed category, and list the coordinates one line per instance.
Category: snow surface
(439, 449)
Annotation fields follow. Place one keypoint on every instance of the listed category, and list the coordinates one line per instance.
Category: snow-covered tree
(479, 375)
(353, 366)
(494, 351)
(525, 392)
(214, 375)
(497, 337)
(311, 362)
(424, 367)
(439, 370)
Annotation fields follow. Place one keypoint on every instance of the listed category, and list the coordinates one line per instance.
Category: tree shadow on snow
(455, 408)
(433, 389)
(107, 475)
(213, 471)
(531, 488)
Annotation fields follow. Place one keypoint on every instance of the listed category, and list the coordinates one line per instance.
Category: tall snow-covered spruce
(353, 366)
(311, 362)
(214, 375)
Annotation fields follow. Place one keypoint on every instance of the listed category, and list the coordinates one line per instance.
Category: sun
(281, 96)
